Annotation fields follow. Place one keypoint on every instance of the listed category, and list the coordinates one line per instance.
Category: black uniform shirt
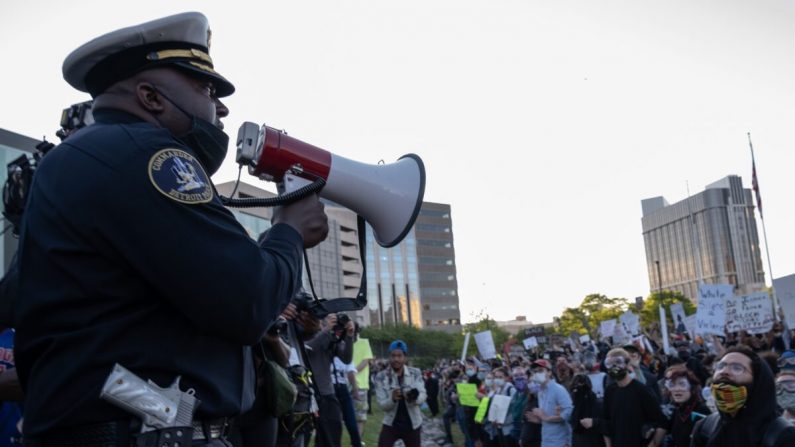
(127, 255)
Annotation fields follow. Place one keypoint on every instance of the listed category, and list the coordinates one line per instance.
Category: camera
(410, 394)
(342, 321)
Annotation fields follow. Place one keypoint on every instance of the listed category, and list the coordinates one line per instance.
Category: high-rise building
(436, 261)
(334, 264)
(711, 235)
(415, 282)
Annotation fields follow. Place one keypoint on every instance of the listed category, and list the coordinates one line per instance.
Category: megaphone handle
(292, 183)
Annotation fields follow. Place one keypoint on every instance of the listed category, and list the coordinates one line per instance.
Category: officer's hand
(309, 322)
(307, 217)
(290, 312)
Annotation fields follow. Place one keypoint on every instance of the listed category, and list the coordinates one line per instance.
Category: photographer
(336, 339)
(400, 391)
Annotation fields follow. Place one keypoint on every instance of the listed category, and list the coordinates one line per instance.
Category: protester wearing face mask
(684, 390)
(531, 424)
(598, 378)
(554, 406)
(629, 406)
(516, 408)
(501, 431)
(785, 394)
(587, 416)
(642, 373)
(744, 392)
(472, 429)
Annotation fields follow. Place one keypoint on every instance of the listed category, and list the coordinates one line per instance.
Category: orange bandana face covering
(729, 398)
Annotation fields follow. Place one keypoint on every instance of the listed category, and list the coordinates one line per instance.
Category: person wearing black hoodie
(745, 395)
(586, 415)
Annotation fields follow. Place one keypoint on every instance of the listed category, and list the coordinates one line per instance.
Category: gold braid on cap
(182, 54)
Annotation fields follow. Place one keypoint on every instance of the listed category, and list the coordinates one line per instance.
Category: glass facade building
(415, 282)
(393, 288)
(711, 235)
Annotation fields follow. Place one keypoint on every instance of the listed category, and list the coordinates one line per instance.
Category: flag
(755, 185)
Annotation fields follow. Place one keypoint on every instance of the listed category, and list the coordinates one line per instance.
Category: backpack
(709, 427)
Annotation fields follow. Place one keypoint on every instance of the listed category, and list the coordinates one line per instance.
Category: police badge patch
(179, 176)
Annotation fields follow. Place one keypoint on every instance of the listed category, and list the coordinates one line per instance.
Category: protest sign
(620, 334)
(482, 408)
(752, 313)
(785, 292)
(530, 343)
(711, 312)
(630, 322)
(585, 338)
(466, 346)
(664, 330)
(690, 325)
(467, 394)
(485, 344)
(678, 317)
(607, 327)
(499, 408)
(534, 331)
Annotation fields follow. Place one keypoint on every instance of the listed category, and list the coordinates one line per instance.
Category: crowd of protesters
(737, 390)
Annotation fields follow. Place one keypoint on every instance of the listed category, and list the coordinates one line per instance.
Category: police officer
(127, 255)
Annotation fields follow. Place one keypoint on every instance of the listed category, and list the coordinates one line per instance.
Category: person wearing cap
(786, 362)
(400, 391)
(128, 256)
(554, 406)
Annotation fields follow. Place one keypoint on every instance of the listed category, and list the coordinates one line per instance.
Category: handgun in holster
(166, 414)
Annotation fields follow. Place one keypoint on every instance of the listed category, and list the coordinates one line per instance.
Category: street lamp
(659, 278)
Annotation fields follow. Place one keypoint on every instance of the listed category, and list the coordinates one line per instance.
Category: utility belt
(126, 434)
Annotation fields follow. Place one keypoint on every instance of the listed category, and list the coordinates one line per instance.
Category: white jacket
(386, 381)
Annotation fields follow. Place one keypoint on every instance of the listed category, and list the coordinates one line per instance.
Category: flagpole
(764, 230)
(697, 242)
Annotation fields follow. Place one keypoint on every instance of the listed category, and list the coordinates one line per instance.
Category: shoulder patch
(179, 176)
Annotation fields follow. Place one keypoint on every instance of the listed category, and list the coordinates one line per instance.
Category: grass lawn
(373, 427)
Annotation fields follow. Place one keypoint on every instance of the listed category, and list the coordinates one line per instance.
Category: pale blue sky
(543, 124)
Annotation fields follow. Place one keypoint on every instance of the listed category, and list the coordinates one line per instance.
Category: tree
(425, 346)
(585, 318)
(650, 314)
(484, 323)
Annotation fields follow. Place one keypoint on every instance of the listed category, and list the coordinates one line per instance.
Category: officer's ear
(149, 98)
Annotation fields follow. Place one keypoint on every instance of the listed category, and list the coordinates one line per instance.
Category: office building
(436, 263)
(334, 264)
(415, 282)
(711, 235)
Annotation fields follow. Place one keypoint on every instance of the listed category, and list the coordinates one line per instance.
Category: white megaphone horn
(387, 196)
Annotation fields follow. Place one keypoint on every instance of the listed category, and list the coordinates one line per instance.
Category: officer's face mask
(208, 141)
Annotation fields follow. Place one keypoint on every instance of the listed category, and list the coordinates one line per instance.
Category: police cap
(181, 40)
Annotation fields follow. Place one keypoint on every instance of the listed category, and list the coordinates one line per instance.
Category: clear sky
(543, 123)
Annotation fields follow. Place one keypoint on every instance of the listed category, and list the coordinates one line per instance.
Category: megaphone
(387, 196)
